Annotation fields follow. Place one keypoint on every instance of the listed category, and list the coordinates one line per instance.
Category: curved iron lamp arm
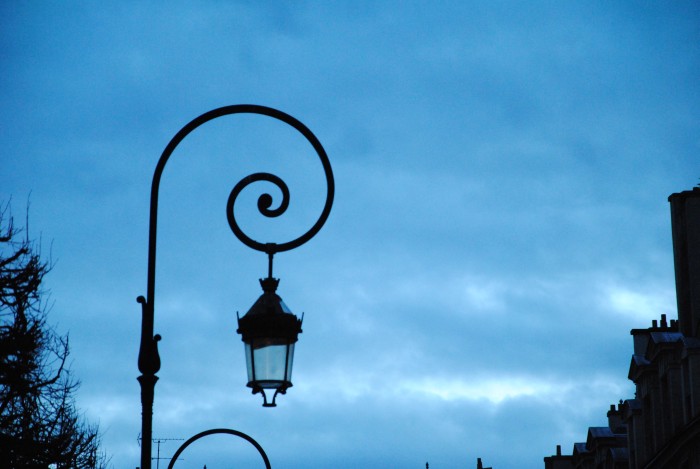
(226, 431)
(149, 359)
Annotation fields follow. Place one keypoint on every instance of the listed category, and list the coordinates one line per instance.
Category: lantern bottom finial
(280, 390)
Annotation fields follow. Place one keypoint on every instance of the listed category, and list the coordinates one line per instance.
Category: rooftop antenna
(158, 442)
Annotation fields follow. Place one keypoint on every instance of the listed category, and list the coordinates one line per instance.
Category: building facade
(660, 426)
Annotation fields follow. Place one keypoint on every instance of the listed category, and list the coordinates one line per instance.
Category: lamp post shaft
(148, 384)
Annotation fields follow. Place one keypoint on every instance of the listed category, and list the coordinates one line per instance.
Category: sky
(500, 222)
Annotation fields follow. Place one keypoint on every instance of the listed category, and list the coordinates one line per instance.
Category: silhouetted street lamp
(269, 329)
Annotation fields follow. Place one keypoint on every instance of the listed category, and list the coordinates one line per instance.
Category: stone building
(660, 426)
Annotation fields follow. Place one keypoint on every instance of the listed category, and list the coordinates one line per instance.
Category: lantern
(269, 331)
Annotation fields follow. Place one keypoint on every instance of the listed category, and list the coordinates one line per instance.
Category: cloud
(493, 390)
(640, 304)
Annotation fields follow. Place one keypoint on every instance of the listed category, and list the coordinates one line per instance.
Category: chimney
(685, 226)
(615, 420)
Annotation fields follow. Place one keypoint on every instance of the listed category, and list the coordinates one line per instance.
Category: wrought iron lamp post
(269, 329)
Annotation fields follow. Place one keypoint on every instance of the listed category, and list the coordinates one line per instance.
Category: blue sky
(500, 221)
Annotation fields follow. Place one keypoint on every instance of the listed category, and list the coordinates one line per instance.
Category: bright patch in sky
(641, 304)
(494, 390)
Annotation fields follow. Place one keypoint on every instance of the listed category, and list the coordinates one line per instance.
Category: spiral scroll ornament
(265, 201)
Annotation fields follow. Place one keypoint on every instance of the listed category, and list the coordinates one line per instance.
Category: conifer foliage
(39, 424)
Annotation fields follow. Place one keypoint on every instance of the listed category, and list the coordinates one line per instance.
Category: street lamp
(269, 329)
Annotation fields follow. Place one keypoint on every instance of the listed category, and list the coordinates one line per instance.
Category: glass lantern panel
(290, 362)
(270, 361)
(249, 362)
(270, 364)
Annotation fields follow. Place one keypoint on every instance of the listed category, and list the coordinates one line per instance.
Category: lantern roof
(269, 317)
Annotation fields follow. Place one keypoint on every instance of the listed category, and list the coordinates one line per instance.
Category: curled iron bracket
(264, 201)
